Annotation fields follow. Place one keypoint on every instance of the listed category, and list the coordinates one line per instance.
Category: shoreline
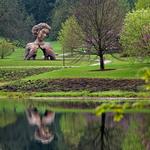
(85, 96)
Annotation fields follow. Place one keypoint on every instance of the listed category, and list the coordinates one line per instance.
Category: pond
(43, 126)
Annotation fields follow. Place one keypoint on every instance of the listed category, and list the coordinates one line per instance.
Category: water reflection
(38, 130)
(42, 133)
(102, 133)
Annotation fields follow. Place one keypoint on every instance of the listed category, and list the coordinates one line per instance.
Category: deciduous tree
(71, 35)
(135, 37)
(101, 21)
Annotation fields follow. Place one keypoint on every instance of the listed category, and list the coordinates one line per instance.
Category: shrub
(6, 48)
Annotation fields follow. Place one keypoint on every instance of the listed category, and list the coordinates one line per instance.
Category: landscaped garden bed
(15, 74)
(74, 84)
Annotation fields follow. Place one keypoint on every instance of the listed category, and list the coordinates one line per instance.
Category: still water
(31, 128)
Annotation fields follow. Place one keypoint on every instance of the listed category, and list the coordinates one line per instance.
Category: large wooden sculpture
(40, 31)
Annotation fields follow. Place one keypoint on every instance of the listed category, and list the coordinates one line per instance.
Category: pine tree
(14, 21)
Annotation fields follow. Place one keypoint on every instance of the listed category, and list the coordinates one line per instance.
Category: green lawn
(116, 69)
(56, 46)
(82, 69)
(28, 64)
(119, 70)
(16, 59)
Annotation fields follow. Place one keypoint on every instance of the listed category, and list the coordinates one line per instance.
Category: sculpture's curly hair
(38, 27)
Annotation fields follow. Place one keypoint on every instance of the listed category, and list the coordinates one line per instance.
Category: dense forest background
(18, 16)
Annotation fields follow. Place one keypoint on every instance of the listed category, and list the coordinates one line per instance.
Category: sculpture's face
(42, 34)
(44, 135)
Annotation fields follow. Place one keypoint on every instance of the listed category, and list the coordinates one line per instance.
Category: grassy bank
(104, 94)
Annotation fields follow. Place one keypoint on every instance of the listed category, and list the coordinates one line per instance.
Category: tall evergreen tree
(14, 21)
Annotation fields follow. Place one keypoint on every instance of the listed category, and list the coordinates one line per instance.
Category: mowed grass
(9, 63)
(17, 58)
(83, 69)
(120, 70)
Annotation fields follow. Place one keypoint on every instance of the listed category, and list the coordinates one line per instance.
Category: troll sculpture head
(40, 32)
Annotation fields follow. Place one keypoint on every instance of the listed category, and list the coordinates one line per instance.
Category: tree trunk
(102, 67)
(72, 52)
(2, 55)
(103, 118)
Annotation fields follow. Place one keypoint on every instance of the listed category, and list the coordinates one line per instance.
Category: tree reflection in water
(102, 134)
(42, 132)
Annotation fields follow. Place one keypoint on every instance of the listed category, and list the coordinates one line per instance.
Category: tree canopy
(135, 37)
(71, 35)
(101, 21)
(142, 4)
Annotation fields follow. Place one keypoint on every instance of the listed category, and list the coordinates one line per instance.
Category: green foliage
(142, 4)
(111, 107)
(71, 35)
(132, 4)
(146, 77)
(6, 48)
(119, 108)
(63, 10)
(41, 10)
(135, 36)
(15, 23)
(93, 94)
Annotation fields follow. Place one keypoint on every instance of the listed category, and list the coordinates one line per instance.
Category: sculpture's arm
(48, 50)
(48, 118)
(33, 117)
(31, 50)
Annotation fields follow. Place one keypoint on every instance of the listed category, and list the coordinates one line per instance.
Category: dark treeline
(15, 23)
(18, 16)
(41, 10)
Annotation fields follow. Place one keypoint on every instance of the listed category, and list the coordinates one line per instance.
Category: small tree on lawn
(135, 37)
(6, 48)
(101, 21)
(71, 35)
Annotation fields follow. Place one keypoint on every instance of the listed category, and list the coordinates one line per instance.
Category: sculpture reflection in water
(42, 132)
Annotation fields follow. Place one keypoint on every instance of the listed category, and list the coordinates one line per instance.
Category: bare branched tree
(101, 21)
